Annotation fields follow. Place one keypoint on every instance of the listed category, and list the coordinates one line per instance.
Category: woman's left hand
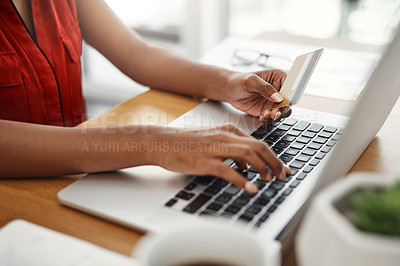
(255, 93)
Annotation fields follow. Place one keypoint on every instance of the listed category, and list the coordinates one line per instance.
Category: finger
(287, 112)
(229, 174)
(269, 158)
(266, 116)
(275, 113)
(241, 164)
(263, 153)
(244, 153)
(265, 89)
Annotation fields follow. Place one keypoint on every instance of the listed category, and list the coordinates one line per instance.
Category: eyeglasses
(246, 57)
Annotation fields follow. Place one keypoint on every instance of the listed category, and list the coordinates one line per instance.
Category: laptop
(319, 148)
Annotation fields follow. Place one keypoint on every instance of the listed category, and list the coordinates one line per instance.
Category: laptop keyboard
(299, 144)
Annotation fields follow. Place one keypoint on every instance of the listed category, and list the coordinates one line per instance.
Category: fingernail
(266, 112)
(249, 187)
(277, 97)
(277, 115)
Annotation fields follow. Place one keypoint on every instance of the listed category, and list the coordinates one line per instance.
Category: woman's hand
(255, 93)
(202, 152)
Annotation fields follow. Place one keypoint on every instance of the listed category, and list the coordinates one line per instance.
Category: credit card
(298, 77)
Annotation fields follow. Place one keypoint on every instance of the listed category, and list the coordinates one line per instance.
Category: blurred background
(192, 27)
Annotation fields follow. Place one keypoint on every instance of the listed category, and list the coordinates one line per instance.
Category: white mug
(206, 244)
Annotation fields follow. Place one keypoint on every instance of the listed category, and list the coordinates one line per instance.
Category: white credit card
(298, 77)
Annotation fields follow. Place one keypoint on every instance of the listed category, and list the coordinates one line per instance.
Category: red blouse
(40, 75)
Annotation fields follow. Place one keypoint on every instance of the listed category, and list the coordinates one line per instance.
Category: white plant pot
(327, 237)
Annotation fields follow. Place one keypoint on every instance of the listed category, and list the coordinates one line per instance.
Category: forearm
(28, 150)
(149, 65)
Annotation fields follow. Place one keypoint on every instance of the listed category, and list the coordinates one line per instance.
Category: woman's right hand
(203, 151)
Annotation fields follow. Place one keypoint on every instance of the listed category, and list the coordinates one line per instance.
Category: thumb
(267, 91)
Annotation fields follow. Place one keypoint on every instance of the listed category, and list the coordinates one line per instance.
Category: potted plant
(355, 221)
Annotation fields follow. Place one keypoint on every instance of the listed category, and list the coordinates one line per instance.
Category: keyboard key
(232, 190)
(246, 195)
(277, 185)
(302, 125)
(294, 133)
(336, 137)
(223, 198)
(296, 164)
(284, 127)
(288, 178)
(326, 149)
(245, 218)
(294, 171)
(280, 200)
(264, 217)
(297, 145)
(288, 138)
(197, 203)
(282, 144)
(269, 193)
(320, 140)
(303, 140)
(190, 186)
(249, 175)
(184, 195)
(286, 158)
(212, 190)
(303, 158)
(213, 207)
(259, 184)
(325, 134)
(301, 176)
(253, 210)
(232, 209)
(289, 121)
(314, 162)
(220, 183)
(330, 129)
(171, 202)
(308, 169)
(320, 156)
(315, 128)
(240, 202)
(314, 146)
(270, 143)
(292, 152)
(308, 134)
(261, 201)
(272, 208)
(278, 133)
(261, 132)
(295, 183)
(340, 131)
(204, 180)
(271, 139)
(309, 152)
(287, 192)
(205, 213)
(227, 214)
(331, 143)
(277, 150)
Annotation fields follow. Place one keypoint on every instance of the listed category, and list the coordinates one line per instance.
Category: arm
(155, 67)
(28, 150)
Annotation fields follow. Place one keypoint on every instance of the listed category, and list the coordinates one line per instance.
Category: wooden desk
(35, 200)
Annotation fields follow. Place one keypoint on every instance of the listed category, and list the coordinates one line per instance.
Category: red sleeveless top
(40, 75)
